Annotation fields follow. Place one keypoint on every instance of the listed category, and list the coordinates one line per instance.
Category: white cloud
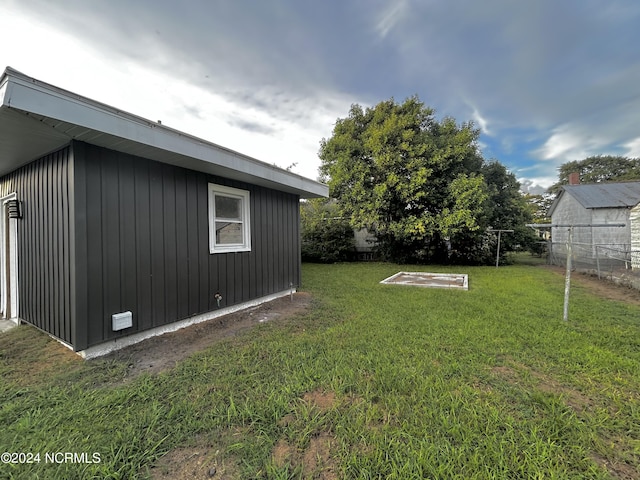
(481, 121)
(537, 185)
(633, 148)
(281, 128)
(391, 16)
(568, 143)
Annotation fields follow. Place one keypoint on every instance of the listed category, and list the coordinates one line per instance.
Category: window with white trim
(229, 221)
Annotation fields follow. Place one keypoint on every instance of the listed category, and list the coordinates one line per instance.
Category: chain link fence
(606, 261)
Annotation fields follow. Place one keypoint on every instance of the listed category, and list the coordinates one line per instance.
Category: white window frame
(244, 197)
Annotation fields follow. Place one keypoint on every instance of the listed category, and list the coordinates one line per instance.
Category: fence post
(598, 261)
(626, 262)
(567, 278)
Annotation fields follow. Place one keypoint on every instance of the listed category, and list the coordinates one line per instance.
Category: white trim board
(9, 285)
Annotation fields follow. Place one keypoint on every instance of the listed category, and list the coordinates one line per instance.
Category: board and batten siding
(142, 244)
(45, 243)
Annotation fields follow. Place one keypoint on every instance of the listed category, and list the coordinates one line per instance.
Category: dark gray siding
(142, 230)
(45, 243)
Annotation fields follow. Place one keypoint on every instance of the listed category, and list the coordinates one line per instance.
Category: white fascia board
(4, 86)
(32, 96)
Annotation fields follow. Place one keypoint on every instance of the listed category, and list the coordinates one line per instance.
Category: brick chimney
(574, 178)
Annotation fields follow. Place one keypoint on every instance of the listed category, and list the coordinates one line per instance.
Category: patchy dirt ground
(602, 288)
(165, 351)
(204, 460)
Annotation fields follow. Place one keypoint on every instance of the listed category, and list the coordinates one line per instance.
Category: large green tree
(598, 168)
(415, 182)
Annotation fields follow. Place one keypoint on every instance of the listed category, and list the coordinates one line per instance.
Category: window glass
(228, 233)
(228, 207)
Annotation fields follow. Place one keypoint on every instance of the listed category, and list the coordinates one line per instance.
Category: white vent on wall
(120, 321)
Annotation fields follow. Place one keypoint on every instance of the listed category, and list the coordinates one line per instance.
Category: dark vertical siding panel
(62, 226)
(35, 206)
(214, 286)
(273, 242)
(288, 242)
(111, 254)
(157, 240)
(48, 225)
(181, 244)
(286, 258)
(203, 255)
(66, 237)
(40, 313)
(143, 242)
(78, 247)
(128, 253)
(282, 263)
(264, 246)
(44, 250)
(293, 242)
(290, 245)
(52, 220)
(95, 228)
(298, 242)
(290, 249)
(277, 220)
(170, 248)
(28, 308)
(247, 268)
(256, 257)
(59, 229)
(48, 251)
(236, 276)
(230, 278)
(223, 279)
(286, 226)
(191, 230)
(270, 244)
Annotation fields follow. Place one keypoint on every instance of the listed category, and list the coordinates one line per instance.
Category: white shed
(596, 203)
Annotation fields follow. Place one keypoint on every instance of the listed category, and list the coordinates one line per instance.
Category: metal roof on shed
(602, 195)
(37, 118)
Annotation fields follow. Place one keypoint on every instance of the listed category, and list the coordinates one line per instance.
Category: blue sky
(547, 81)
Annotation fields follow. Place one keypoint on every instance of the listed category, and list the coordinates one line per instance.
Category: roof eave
(554, 204)
(60, 116)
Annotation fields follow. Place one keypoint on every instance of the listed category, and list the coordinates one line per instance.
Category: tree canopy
(419, 184)
(598, 168)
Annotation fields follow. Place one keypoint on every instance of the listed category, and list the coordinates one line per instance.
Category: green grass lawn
(375, 381)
